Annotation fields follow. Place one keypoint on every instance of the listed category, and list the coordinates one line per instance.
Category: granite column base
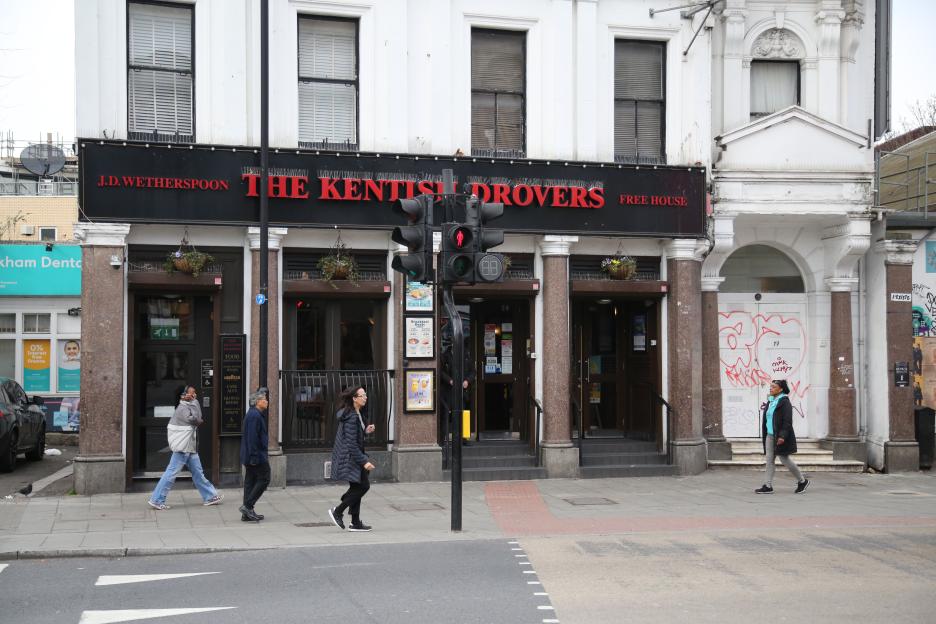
(690, 456)
(414, 464)
(901, 457)
(100, 474)
(561, 461)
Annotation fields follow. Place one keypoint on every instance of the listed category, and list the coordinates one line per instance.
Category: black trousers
(256, 480)
(351, 499)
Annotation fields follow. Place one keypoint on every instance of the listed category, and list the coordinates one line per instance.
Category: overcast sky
(37, 66)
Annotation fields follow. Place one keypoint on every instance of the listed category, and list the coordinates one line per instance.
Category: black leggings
(352, 498)
(256, 480)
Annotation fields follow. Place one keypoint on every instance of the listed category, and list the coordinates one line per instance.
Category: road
(471, 582)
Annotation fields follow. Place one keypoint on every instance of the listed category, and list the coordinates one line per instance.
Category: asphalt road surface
(458, 582)
(741, 576)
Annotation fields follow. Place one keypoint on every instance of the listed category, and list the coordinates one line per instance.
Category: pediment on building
(793, 139)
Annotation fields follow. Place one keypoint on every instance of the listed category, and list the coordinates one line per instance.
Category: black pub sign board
(218, 185)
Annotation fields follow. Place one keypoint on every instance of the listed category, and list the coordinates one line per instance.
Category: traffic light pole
(457, 402)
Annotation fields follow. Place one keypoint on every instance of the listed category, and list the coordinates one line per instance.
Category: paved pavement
(122, 524)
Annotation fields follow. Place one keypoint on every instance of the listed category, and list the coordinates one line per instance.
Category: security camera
(115, 261)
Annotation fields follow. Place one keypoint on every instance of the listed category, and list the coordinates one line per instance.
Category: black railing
(311, 400)
(537, 442)
(668, 435)
(161, 137)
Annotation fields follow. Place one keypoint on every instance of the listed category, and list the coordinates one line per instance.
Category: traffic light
(488, 267)
(458, 246)
(417, 236)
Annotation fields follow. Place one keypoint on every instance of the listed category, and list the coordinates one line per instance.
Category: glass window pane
(8, 323)
(774, 86)
(160, 36)
(358, 336)
(8, 358)
(167, 319)
(36, 323)
(327, 112)
(310, 337)
(47, 234)
(67, 324)
(638, 70)
(760, 268)
(327, 49)
(482, 120)
(497, 61)
(509, 121)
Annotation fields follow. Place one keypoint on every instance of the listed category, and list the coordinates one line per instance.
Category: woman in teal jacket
(778, 436)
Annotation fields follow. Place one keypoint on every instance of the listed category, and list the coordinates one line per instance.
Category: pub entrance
(173, 342)
(616, 369)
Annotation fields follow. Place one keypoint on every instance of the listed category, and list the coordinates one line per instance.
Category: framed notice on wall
(419, 336)
(418, 297)
(640, 332)
(420, 390)
(233, 349)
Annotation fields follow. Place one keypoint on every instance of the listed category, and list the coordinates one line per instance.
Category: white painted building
(771, 99)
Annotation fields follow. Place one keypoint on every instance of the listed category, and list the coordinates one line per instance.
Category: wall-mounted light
(74, 311)
(49, 246)
(115, 261)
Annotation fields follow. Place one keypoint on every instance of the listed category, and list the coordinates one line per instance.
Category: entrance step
(637, 470)
(609, 457)
(748, 454)
(626, 458)
(498, 460)
(498, 474)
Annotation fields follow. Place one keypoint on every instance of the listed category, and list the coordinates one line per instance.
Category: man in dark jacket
(253, 455)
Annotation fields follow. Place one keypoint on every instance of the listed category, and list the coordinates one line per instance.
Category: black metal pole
(264, 180)
(458, 375)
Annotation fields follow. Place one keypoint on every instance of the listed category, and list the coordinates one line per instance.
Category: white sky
(37, 66)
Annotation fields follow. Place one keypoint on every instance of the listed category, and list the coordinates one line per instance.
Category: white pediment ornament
(777, 43)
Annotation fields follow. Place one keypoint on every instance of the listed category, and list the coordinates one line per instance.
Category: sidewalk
(123, 525)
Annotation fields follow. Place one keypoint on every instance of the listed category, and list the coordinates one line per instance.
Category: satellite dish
(43, 159)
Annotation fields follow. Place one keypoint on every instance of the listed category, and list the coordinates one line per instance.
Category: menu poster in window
(69, 365)
(419, 339)
(420, 389)
(640, 332)
(232, 383)
(490, 339)
(36, 363)
(418, 297)
(506, 354)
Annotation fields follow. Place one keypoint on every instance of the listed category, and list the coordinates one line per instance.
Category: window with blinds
(775, 85)
(160, 79)
(328, 83)
(639, 102)
(498, 93)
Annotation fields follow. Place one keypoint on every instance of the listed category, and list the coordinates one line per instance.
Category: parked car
(22, 425)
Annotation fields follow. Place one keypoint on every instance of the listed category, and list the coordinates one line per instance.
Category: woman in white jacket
(183, 442)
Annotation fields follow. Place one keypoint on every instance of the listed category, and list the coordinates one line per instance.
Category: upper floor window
(774, 86)
(498, 93)
(47, 234)
(159, 73)
(328, 83)
(639, 102)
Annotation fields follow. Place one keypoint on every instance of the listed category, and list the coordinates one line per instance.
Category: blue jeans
(176, 462)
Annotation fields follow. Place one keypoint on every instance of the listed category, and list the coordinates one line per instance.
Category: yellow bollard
(466, 424)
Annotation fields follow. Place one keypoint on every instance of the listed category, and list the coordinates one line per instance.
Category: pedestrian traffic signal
(488, 267)
(458, 246)
(416, 236)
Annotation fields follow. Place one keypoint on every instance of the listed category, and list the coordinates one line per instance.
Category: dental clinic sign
(32, 270)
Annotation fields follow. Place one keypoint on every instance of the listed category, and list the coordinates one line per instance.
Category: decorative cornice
(723, 244)
(274, 238)
(842, 284)
(711, 284)
(102, 234)
(687, 249)
(778, 43)
(552, 245)
(897, 251)
(845, 244)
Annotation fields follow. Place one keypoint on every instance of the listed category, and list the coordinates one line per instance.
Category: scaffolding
(905, 178)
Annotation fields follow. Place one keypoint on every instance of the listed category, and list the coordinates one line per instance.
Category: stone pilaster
(684, 339)
(718, 446)
(274, 239)
(560, 457)
(101, 464)
(901, 451)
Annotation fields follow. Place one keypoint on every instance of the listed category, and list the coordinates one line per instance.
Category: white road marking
(513, 542)
(123, 579)
(545, 608)
(3, 566)
(533, 583)
(523, 556)
(540, 593)
(524, 563)
(550, 621)
(127, 615)
(516, 549)
(529, 571)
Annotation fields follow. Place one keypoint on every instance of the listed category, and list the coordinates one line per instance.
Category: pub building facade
(605, 129)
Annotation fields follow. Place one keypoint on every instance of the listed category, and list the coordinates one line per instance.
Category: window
(159, 73)
(8, 358)
(8, 323)
(47, 234)
(328, 83)
(36, 323)
(498, 93)
(774, 86)
(639, 102)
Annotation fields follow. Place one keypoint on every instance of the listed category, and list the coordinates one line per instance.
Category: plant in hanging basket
(619, 267)
(338, 264)
(187, 259)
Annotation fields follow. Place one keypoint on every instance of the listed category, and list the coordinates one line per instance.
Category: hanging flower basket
(619, 267)
(187, 259)
(338, 264)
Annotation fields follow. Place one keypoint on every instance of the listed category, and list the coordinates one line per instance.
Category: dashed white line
(550, 621)
(533, 583)
(123, 579)
(529, 571)
(524, 563)
(540, 593)
(521, 556)
(545, 608)
(513, 542)
(516, 549)
(127, 615)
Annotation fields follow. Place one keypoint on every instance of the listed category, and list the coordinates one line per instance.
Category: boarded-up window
(498, 93)
(328, 83)
(639, 102)
(160, 80)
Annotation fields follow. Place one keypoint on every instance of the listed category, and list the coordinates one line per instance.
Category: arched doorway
(762, 335)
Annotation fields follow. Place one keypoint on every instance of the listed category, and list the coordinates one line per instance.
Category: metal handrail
(538, 447)
(669, 424)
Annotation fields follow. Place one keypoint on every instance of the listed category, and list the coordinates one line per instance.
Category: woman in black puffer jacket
(349, 461)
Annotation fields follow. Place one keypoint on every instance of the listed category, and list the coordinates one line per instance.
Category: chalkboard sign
(232, 382)
(901, 374)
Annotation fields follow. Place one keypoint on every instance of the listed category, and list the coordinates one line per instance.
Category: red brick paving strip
(519, 509)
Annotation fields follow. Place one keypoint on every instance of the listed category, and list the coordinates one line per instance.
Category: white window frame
(47, 229)
(38, 305)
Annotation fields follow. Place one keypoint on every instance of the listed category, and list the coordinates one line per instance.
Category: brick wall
(60, 212)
